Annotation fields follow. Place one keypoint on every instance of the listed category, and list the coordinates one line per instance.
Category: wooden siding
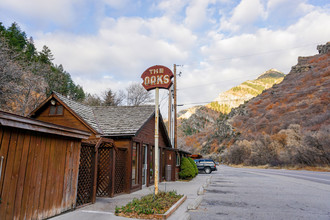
(147, 134)
(67, 119)
(39, 173)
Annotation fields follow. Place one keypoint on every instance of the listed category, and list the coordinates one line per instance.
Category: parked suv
(206, 165)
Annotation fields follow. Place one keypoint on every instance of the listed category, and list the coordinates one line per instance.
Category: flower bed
(149, 206)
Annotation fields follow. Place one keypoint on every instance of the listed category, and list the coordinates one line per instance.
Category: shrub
(194, 165)
(263, 152)
(238, 153)
(187, 169)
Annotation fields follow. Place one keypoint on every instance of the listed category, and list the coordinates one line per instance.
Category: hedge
(187, 169)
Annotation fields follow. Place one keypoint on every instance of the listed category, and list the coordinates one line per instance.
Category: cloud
(231, 60)
(123, 48)
(116, 4)
(197, 14)
(61, 12)
(171, 8)
(243, 15)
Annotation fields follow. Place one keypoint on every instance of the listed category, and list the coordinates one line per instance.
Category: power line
(214, 83)
(228, 100)
(247, 55)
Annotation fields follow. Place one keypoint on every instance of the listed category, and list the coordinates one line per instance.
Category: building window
(178, 159)
(135, 159)
(56, 110)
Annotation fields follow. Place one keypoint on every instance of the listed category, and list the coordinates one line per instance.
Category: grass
(149, 205)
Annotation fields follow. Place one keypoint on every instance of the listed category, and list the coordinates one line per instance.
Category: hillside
(28, 76)
(288, 124)
(245, 91)
(196, 123)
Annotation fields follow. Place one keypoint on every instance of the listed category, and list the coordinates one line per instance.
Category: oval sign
(157, 77)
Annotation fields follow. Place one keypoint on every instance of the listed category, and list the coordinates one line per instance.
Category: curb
(195, 203)
(201, 190)
(172, 209)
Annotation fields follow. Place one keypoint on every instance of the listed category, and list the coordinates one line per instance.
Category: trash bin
(168, 173)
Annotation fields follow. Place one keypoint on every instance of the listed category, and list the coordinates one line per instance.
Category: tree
(46, 56)
(20, 89)
(92, 100)
(137, 95)
(16, 37)
(111, 98)
(27, 76)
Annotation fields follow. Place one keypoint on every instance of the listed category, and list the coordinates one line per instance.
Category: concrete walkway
(104, 208)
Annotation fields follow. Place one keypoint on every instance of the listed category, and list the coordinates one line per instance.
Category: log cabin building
(118, 157)
(39, 165)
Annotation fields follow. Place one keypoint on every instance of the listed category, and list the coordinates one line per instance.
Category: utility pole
(175, 121)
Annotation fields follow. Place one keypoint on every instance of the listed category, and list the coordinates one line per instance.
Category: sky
(217, 44)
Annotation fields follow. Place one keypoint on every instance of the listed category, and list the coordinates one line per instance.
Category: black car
(206, 165)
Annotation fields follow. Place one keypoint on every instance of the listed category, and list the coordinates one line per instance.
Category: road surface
(242, 193)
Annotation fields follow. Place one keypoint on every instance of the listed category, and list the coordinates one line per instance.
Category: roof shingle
(122, 120)
(111, 120)
(83, 111)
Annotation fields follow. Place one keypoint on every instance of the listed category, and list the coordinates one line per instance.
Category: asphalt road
(242, 193)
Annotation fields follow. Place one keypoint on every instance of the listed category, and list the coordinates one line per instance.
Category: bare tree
(137, 95)
(20, 90)
(92, 100)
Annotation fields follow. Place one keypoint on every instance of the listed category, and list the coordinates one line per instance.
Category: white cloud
(122, 48)
(243, 15)
(116, 4)
(57, 11)
(232, 60)
(171, 8)
(197, 13)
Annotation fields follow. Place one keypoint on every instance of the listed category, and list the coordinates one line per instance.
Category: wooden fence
(39, 169)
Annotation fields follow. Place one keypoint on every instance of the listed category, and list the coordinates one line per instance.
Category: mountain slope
(288, 124)
(197, 123)
(245, 91)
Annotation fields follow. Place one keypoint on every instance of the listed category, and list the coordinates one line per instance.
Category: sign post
(156, 77)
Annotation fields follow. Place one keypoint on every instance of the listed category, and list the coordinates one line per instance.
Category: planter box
(172, 209)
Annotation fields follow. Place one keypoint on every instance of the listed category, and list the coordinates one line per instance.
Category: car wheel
(207, 170)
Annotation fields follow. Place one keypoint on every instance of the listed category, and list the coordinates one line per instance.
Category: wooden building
(119, 155)
(40, 163)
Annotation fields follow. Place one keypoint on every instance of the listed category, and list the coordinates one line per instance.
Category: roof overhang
(53, 95)
(16, 121)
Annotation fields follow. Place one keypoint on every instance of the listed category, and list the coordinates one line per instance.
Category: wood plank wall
(39, 174)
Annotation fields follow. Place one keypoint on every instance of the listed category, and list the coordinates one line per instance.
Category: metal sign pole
(156, 140)
(156, 77)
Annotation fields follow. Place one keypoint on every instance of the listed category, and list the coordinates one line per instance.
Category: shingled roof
(83, 111)
(111, 120)
(122, 120)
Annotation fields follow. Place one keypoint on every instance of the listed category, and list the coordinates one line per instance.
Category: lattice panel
(85, 178)
(104, 172)
(120, 170)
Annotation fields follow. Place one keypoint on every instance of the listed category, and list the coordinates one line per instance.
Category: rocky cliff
(245, 91)
(287, 124)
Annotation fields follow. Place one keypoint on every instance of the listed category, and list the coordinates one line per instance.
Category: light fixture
(52, 102)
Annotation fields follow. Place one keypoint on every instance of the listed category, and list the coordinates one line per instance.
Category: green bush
(187, 169)
(194, 165)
